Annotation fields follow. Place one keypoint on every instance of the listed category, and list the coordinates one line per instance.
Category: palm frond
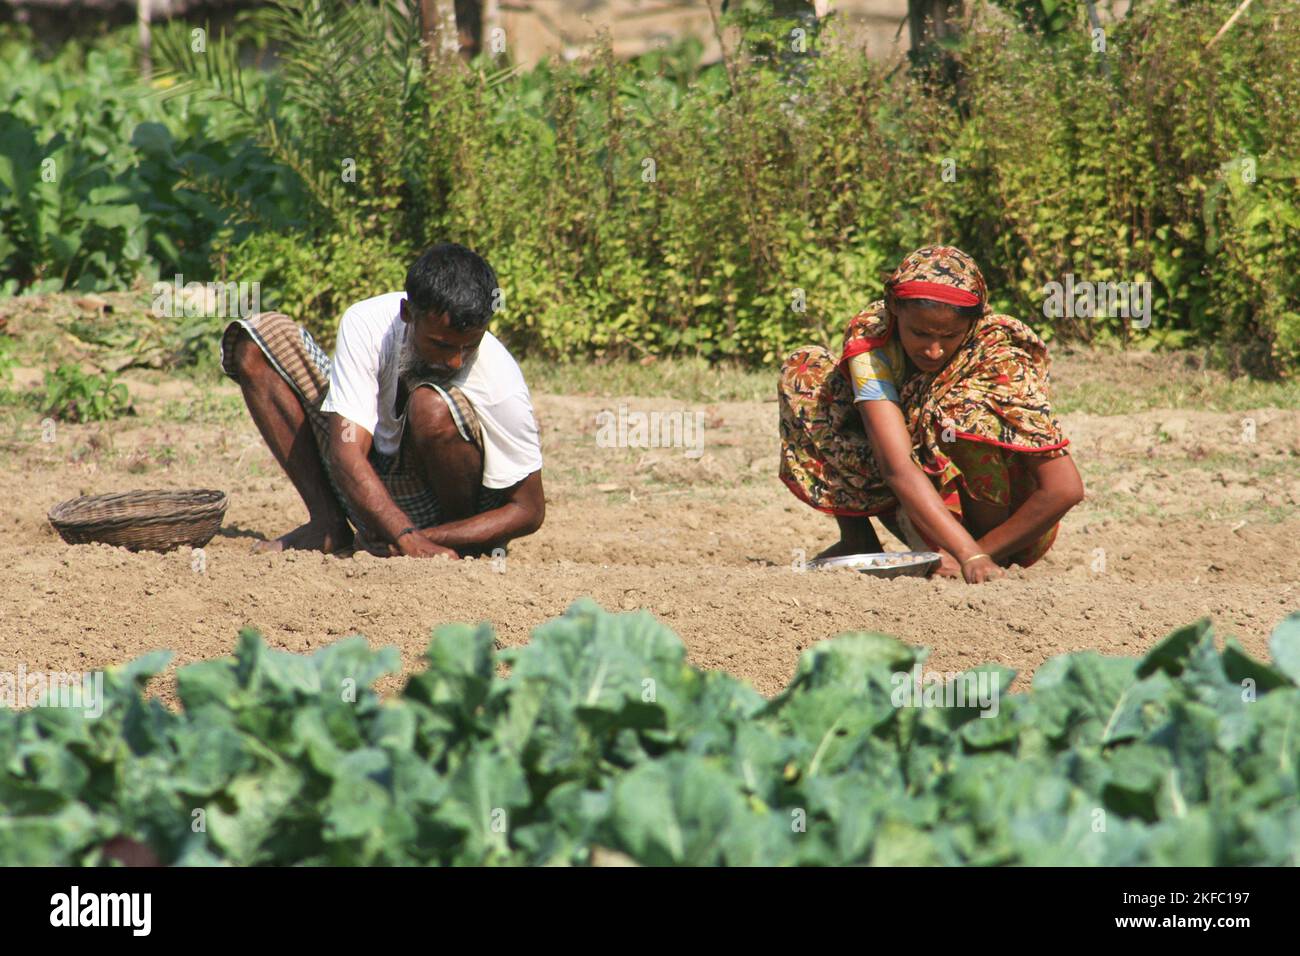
(346, 84)
(214, 74)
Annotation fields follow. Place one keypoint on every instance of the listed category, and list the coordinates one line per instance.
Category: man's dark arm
(522, 514)
(350, 463)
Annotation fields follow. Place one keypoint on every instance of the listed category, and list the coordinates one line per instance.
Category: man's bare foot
(309, 537)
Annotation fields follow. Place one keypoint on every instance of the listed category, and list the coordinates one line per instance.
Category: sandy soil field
(1190, 513)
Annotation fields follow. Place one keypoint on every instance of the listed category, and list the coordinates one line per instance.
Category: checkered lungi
(294, 354)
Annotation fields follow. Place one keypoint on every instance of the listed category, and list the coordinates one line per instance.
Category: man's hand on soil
(418, 544)
(380, 549)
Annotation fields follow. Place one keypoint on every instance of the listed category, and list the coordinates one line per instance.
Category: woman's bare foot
(309, 537)
(841, 549)
(857, 536)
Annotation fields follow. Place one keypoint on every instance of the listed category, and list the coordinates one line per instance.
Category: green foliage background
(657, 206)
(603, 736)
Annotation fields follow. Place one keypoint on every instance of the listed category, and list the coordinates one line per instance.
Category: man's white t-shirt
(363, 388)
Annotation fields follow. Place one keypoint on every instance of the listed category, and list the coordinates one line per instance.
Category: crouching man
(419, 432)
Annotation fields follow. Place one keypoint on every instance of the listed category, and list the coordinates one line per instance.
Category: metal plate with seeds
(885, 564)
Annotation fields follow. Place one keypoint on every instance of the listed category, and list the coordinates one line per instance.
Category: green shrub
(314, 278)
(7, 358)
(1253, 223)
(657, 206)
(735, 211)
(72, 395)
(102, 182)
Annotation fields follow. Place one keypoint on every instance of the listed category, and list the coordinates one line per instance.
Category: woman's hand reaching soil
(949, 567)
(979, 568)
(976, 570)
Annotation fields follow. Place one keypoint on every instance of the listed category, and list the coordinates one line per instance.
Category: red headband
(947, 294)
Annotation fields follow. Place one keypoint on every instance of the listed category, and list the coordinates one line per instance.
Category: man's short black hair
(450, 278)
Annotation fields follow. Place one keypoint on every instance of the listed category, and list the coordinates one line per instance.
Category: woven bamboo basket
(142, 520)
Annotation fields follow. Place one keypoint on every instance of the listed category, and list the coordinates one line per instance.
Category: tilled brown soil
(1189, 514)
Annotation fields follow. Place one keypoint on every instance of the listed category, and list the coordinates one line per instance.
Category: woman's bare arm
(892, 444)
(1059, 489)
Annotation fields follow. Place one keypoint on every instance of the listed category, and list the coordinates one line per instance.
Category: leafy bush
(660, 206)
(99, 177)
(1157, 160)
(72, 395)
(654, 206)
(603, 737)
(313, 277)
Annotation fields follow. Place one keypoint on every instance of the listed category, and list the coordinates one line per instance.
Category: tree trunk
(930, 21)
(142, 13)
(436, 26)
(469, 24)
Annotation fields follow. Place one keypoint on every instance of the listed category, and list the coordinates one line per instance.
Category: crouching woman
(936, 420)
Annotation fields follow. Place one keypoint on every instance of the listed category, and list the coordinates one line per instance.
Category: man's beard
(411, 368)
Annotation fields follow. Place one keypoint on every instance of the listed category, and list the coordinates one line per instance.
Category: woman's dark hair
(451, 278)
(970, 313)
